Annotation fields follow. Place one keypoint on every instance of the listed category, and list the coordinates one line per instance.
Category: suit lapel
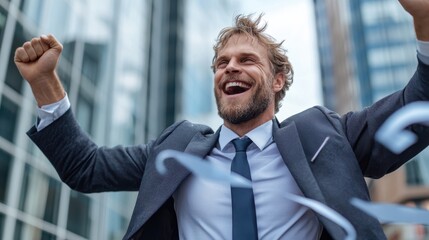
(161, 187)
(291, 150)
(201, 145)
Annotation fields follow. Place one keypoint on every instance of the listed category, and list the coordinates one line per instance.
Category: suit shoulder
(184, 128)
(189, 126)
(315, 112)
(317, 116)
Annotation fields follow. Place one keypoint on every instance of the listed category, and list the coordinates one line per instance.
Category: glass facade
(385, 37)
(103, 69)
(339, 84)
(379, 43)
(5, 165)
(40, 195)
(198, 103)
(417, 171)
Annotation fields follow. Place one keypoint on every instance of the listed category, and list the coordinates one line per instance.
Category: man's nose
(232, 67)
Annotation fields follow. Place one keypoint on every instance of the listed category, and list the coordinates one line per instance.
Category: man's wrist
(51, 112)
(423, 47)
(423, 51)
(47, 90)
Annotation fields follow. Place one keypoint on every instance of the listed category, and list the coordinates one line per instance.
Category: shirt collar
(261, 136)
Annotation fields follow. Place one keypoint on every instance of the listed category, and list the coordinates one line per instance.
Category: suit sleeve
(360, 127)
(83, 165)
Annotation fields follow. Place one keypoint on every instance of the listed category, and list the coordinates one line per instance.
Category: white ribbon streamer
(392, 213)
(201, 168)
(327, 212)
(392, 133)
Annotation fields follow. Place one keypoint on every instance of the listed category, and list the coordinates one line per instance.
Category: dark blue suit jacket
(335, 176)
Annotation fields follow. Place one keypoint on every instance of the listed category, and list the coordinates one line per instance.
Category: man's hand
(419, 10)
(36, 61)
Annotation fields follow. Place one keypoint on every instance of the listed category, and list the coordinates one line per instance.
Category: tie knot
(241, 144)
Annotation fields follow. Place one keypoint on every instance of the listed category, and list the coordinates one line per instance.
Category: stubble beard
(245, 111)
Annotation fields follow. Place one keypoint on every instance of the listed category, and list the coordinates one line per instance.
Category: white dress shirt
(203, 208)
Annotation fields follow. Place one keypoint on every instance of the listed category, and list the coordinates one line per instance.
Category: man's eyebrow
(250, 54)
(220, 58)
(255, 57)
(241, 55)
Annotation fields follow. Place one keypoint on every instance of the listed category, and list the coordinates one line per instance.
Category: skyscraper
(113, 68)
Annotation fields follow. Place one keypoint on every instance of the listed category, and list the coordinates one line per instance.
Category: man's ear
(278, 82)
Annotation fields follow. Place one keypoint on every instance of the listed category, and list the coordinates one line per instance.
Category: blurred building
(121, 67)
(200, 32)
(371, 44)
(339, 86)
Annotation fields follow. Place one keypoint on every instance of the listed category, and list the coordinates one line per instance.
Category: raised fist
(36, 61)
(38, 57)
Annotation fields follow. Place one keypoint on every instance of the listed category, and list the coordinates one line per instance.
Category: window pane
(3, 17)
(116, 225)
(13, 78)
(68, 50)
(92, 60)
(18, 230)
(64, 77)
(32, 10)
(5, 165)
(40, 195)
(79, 219)
(417, 169)
(2, 217)
(85, 112)
(25, 231)
(8, 118)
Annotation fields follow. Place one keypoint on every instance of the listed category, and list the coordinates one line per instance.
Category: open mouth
(232, 88)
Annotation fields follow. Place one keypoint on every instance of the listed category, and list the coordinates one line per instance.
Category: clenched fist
(36, 61)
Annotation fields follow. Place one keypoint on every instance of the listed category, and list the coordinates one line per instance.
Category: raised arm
(36, 61)
(79, 162)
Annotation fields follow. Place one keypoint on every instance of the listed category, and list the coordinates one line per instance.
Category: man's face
(243, 80)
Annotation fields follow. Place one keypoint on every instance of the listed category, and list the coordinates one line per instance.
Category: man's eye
(222, 64)
(247, 60)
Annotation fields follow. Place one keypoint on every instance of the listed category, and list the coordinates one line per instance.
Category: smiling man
(245, 83)
(317, 153)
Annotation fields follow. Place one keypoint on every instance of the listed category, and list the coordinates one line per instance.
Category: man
(316, 153)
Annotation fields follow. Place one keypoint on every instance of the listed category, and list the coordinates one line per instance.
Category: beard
(248, 110)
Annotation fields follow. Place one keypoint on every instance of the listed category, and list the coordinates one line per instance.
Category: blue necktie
(243, 204)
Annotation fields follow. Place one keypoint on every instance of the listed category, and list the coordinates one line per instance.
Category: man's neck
(242, 128)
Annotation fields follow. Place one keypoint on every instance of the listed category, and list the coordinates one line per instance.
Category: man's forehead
(242, 38)
(243, 42)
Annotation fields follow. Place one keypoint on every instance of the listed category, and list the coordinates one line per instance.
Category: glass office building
(104, 71)
(384, 44)
(372, 42)
(340, 91)
(201, 30)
